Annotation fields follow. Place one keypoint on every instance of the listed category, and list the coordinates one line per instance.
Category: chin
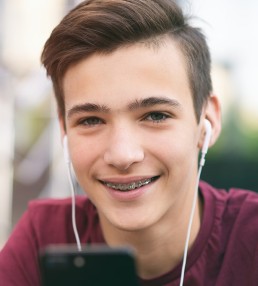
(132, 223)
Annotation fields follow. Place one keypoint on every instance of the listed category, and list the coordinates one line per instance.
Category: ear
(212, 112)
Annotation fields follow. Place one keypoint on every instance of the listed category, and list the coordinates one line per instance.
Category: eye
(156, 117)
(90, 121)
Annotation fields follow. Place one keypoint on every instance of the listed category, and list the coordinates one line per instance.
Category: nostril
(123, 159)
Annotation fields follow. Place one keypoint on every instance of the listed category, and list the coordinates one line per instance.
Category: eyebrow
(87, 107)
(153, 101)
(137, 104)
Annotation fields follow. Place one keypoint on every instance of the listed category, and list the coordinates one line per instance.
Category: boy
(132, 83)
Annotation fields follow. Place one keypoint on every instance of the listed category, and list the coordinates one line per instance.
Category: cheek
(84, 154)
(178, 156)
(174, 149)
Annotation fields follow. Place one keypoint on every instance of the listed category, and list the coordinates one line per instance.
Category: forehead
(138, 70)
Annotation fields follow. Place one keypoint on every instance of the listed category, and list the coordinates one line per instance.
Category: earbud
(66, 150)
(207, 138)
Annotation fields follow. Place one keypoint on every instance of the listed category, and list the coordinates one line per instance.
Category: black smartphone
(95, 265)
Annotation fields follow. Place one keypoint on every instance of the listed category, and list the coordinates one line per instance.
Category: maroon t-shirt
(225, 252)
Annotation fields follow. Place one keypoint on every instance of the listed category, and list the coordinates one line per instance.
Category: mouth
(125, 187)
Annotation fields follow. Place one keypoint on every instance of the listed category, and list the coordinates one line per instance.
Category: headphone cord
(201, 164)
(77, 238)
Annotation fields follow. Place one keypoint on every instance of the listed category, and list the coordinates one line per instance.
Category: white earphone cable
(77, 238)
(201, 164)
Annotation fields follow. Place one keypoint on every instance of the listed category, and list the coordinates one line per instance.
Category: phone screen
(93, 266)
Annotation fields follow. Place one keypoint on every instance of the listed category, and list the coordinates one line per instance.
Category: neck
(158, 248)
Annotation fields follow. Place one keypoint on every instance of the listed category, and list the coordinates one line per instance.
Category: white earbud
(66, 150)
(207, 138)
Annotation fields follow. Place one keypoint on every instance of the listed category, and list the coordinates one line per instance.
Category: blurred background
(31, 161)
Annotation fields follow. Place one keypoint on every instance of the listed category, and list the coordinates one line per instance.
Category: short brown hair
(102, 26)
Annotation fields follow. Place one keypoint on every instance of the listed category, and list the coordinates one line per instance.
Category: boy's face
(132, 133)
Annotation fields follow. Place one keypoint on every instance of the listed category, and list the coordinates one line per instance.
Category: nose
(124, 148)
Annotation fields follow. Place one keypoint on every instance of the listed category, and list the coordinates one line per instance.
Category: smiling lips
(124, 187)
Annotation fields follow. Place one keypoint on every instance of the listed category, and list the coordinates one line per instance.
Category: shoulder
(51, 219)
(233, 197)
(56, 204)
(57, 209)
(230, 231)
(46, 221)
(235, 206)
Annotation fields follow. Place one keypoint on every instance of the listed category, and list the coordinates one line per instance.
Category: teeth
(131, 186)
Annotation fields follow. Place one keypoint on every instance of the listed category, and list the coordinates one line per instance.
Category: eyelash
(85, 121)
(93, 121)
(155, 113)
